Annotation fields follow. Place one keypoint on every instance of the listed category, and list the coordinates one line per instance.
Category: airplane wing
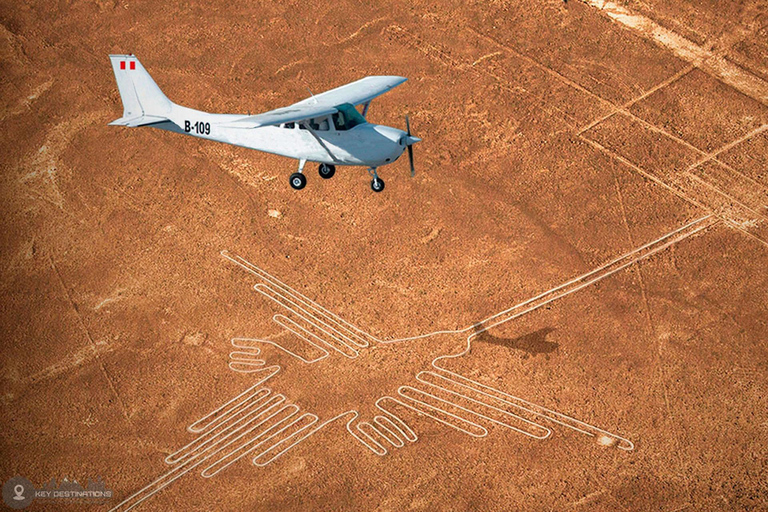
(356, 93)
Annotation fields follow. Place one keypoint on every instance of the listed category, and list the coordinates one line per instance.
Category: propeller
(409, 142)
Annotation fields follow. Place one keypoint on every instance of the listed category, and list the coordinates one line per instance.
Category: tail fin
(143, 101)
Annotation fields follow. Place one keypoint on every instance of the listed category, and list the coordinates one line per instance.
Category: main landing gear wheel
(298, 181)
(326, 171)
(377, 184)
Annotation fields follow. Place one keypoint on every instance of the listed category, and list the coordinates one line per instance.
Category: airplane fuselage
(366, 144)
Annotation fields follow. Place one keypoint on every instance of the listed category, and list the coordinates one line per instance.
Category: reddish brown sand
(118, 309)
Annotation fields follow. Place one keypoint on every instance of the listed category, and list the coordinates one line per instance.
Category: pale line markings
(584, 280)
(698, 57)
(293, 300)
(686, 49)
(678, 190)
(264, 425)
(722, 149)
(625, 107)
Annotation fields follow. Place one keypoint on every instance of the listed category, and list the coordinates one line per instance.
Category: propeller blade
(409, 141)
(410, 159)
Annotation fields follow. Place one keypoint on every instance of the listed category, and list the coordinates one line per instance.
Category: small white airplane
(326, 128)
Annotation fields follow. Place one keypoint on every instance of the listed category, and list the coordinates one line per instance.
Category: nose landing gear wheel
(326, 171)
(298, 181)
(377, 184)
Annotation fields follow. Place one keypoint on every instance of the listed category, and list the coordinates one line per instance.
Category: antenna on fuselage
(310, 93)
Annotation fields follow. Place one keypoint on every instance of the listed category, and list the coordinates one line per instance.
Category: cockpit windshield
(347, 117)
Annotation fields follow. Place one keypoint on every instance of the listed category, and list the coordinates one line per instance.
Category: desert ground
(565, 309)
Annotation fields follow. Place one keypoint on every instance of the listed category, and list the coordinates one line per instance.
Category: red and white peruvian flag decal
(132, 64)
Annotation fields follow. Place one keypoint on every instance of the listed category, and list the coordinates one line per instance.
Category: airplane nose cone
(410, 140)
(392, 134)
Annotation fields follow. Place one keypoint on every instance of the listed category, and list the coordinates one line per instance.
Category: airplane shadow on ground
(533, 343)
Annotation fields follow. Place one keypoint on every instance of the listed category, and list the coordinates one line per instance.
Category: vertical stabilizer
(143, 101)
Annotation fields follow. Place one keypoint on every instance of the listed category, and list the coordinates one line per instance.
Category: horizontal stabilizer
(138, 121)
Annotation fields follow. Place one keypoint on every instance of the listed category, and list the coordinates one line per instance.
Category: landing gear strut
(377, 184)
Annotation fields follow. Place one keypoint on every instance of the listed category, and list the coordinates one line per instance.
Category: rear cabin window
(347, 117)
(319, 124)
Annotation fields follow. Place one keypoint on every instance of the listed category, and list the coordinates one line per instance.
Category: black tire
(326, 171)
(377, 184)
(298, 181)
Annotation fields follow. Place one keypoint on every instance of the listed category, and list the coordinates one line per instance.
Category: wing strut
(320, 141)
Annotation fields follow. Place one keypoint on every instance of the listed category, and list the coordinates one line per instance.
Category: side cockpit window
(347, 117)
(339, 121)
